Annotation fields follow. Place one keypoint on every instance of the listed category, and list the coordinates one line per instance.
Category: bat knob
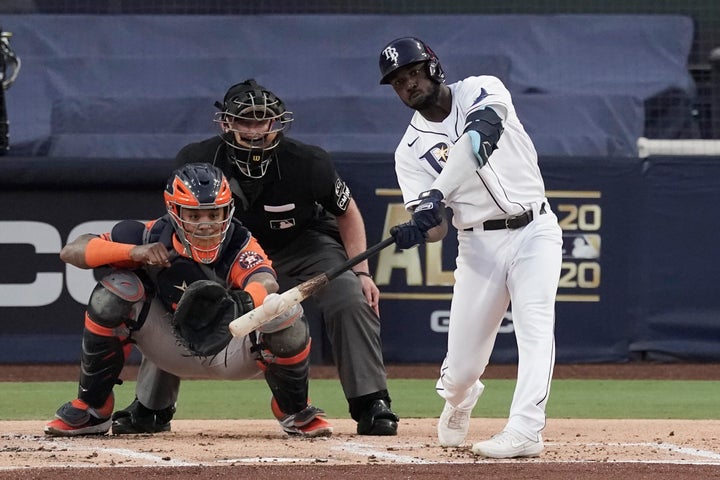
(274, 305)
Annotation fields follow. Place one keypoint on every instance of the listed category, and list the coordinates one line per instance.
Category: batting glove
(407, 235)
(429, 212)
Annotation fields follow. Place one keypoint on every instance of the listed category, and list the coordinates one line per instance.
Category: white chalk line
(704, 457)
(55, 443)
(670, 447)
(369, 451)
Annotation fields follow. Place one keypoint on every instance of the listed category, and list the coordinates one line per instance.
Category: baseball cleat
(78, 418)
(453, 426)
(308, 422)
(318, 427)
(378, 419)
(137, 418)
(508, 445)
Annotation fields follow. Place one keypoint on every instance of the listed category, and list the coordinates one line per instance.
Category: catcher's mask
(200, 204)
(405, 51)
(252, 120)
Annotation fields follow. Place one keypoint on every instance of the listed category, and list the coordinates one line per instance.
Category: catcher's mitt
(203, 313)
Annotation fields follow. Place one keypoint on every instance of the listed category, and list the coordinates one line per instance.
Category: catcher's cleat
(508, 445)
(306, 423)
(137, 418)
(78, 418)
(378, 419)
(453, 426)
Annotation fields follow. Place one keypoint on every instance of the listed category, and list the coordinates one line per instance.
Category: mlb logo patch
(282, 224)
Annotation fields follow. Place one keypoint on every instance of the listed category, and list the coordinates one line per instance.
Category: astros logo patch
(249, 259)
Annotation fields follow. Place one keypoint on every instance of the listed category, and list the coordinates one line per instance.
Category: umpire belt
(510, 223)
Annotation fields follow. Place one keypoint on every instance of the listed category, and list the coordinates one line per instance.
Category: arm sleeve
(128, 231)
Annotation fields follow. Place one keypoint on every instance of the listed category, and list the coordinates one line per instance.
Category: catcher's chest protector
(172, 282)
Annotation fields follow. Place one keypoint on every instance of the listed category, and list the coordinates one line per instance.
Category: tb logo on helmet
(391, 54)
(406, 51)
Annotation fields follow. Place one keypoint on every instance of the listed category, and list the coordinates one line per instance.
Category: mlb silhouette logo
(585, 245)
(282, 224)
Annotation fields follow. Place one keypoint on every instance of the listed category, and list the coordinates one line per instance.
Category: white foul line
(368, 451)
(125, 452)
(670, 447)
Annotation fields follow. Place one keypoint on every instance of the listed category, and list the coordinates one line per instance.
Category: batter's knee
(293, 341)
(117, 298)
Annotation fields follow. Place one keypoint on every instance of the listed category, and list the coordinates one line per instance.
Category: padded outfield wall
(639, 277)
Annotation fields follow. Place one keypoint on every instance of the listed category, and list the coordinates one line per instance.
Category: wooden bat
(251, 320)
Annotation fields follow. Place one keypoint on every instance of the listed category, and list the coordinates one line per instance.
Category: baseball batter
(465, 149)
(155, 267)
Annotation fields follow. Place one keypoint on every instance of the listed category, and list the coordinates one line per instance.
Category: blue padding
(158, 128)
(47, 348)
(574, 125)
(120, 145)
(332, 56)
(582, 124)
(136, 115)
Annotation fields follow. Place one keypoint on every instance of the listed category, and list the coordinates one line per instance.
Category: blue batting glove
(407, 235)
(429, 212)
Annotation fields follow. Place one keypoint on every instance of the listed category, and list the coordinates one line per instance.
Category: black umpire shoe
(137, 418)
(378, 419)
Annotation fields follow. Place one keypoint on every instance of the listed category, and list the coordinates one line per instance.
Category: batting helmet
(406, 50)
(252, 119)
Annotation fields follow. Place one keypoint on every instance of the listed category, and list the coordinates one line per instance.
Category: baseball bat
(251, 320)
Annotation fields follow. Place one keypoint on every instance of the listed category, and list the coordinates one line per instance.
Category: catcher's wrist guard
(244, 301)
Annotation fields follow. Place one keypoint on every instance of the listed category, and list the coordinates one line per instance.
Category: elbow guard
(484, 128)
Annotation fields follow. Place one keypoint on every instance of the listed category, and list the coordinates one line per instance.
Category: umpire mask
(252, 120)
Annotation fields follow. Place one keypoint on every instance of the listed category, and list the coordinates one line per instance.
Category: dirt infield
(587, 449)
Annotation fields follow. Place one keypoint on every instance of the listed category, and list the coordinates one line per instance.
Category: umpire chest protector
(171, 282)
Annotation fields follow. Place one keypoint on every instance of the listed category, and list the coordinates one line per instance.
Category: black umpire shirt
(299, 189)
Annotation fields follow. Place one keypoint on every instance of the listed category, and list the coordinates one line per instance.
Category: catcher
(174, 285)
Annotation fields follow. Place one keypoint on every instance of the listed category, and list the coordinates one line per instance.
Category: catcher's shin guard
(102, 361)
(284, 357)
(116, 302)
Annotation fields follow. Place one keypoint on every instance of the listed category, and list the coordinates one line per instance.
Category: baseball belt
(511, 223)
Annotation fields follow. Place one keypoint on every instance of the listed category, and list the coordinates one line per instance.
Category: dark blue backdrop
(645, 288)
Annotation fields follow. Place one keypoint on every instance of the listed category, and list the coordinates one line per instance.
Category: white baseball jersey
(494, 267)
(508, 184)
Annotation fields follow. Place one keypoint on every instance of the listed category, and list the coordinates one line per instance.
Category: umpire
(291, 198)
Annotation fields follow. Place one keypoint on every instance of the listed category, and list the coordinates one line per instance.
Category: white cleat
(508, 445)
(453, 426)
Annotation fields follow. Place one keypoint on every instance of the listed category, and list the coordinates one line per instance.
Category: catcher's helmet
(200, 186)
(404, 51)
(252, 119)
